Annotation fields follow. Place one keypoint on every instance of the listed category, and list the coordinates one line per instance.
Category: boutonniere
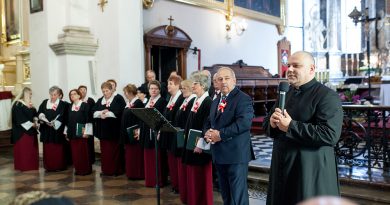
(170, 107)
(54, 107)
(76, 108)
(184, 106)
(222, 105)
(196, 107)
(108, 103)
(151, 104)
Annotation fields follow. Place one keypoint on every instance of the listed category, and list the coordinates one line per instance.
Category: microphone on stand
(283, 88)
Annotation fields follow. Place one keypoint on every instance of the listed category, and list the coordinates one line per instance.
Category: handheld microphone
(283, 88)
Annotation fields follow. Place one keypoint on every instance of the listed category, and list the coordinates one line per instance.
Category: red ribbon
(196, 107)
(222, 105)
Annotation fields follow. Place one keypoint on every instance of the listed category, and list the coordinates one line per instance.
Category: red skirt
(173, 173)
(134, 158)
(150, 168)
(26, 155)
(200, 184)
(182, 174)
(111, 157)
(53, 157)
(80, 156)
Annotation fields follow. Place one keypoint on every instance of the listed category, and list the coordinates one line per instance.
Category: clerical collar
(306, 85)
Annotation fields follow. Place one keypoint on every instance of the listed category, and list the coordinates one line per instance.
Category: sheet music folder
(154, 119)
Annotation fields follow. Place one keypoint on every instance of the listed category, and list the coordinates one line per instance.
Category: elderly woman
(134, 154)
(168, 139)
(52, 114)
(78, 129)
(24, 133)
(180, 121)
(199, 168)
(107, 113)
(147, 140)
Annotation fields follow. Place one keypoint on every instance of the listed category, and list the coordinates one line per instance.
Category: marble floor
(90, 189)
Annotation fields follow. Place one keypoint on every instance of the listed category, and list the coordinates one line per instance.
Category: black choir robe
(20, 115)
(79, 146)
(109, 128)
(25, 142)
(91, 140)
(303, 158)
(196, 121)
(49, 134)
(168, 139)
(128, 120)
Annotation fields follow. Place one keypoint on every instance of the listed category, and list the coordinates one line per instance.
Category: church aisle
(90, 189)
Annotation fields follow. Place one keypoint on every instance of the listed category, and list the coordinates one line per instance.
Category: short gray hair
(54, 88)
(229, 69)
(202, 79)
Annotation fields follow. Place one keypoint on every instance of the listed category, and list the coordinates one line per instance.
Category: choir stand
(157, 122)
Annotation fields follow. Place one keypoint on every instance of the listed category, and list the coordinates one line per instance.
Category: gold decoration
(102, 3)
(26, 72)
(170, 30)
(148, 3)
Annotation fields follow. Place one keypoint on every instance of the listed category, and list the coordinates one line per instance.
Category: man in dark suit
(228, 129)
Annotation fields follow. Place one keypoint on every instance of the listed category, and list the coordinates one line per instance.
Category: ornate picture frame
(276, 17)
(36, 6)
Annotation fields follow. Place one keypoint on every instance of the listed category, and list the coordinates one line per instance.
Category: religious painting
(12, 23)
(269, 7)
(284, 51)
(36, 6)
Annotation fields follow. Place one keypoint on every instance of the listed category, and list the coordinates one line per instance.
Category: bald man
(303, 160)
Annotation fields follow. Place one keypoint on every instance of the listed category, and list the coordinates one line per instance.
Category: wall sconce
(232, 24)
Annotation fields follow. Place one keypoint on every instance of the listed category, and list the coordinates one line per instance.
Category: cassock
(303, 160)
(180, 120)
(168, 139)
(67, 149)
(78, 116)
(134, 153)
(147, 140)
(199, 167)
(24, 137)
(108, 132)
(52, 137)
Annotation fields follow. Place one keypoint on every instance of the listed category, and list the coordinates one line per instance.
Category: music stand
(157, 122)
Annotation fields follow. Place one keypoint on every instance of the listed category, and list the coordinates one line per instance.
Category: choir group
(67, 131)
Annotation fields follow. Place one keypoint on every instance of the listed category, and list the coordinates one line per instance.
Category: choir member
(78, 130)
(24, 132)
(148, 137)
(134, 154)
(199, 168)
(168, 139)
(180, 121)
(52, 115)
(91, 103)
(141, 94)
(107, 114)
(67, 151)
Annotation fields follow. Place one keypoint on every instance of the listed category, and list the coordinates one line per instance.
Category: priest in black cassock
(52, 115)
(24, 132)
(78, 130)
(180, 120)
(134, 154)
(147, 140)
(168, 139)
(303, 157)
(91, 103)
(107, 114)
(199, 168)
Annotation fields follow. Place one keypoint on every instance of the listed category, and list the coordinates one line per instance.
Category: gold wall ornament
(170, 30)
(148, 3)
(102, 3)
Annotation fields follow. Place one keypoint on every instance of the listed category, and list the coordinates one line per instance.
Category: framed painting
(36, 6)
(10, 21)
(284, 51)
(269, 11)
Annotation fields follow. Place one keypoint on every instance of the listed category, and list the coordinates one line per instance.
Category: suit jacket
(234, 125)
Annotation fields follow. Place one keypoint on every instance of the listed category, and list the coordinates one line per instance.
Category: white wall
(257, 45)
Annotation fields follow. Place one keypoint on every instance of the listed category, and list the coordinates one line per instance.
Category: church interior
(69, 43)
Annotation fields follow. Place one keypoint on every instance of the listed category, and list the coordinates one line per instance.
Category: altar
(5, 110)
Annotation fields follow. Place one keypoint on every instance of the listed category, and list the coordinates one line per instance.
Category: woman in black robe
(180, 121)
(168, 139)
(78, 130)
(24, 132)
(52, 114)
(199, 168)
(107, 114)
(147, 140)
(134, 154)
